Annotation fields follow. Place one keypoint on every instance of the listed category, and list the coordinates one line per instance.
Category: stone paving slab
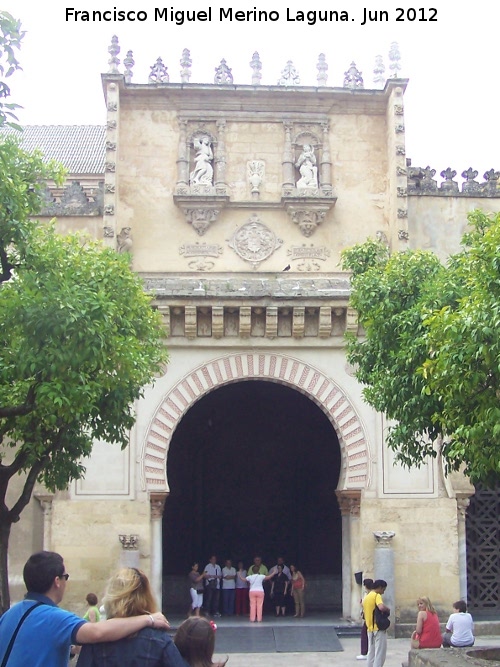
(397, 654)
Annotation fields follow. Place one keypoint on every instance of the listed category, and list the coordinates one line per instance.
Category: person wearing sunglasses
(36, 632)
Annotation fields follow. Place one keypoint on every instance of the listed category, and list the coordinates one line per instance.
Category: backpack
(381, 619)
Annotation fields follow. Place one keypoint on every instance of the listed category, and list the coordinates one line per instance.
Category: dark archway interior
(253, 468)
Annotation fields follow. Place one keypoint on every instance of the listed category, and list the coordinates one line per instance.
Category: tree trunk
(5, 526)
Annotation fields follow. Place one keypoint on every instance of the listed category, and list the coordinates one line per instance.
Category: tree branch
(24, 408)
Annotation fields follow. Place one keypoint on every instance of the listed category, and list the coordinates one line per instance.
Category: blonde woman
(129, 594)
(427, 631)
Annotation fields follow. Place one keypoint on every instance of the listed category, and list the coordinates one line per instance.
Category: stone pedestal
(383, 563)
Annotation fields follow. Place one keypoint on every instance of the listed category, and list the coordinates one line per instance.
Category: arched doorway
(283, 370)
(253, 468)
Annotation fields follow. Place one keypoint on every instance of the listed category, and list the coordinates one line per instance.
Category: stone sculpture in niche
(306, 164)
(203, 172)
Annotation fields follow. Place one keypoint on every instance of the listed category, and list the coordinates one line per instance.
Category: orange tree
(78, 342)
(430, 355)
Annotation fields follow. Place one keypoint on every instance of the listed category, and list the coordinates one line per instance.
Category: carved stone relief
(254, 242)
(308, 257)
(124, 240)
(203, 172)
(308, 219)
(256, 172)
(200, 254)
(201, 218)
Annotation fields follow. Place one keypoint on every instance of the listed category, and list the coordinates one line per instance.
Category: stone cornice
(248, 287)
(238, 99)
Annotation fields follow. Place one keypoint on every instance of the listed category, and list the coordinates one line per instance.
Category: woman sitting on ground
(195, 639)
(427, 631)
(129, 594)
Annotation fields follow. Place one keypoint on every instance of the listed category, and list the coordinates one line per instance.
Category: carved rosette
(254, 242)
(109, 208)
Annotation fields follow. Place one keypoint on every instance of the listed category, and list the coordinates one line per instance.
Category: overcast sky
(452, 63)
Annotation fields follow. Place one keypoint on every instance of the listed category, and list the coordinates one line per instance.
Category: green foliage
(11, 36)
(79, 341)
(22, 176)
(430, 358)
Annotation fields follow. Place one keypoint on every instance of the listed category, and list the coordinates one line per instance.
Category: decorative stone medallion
(254, 242)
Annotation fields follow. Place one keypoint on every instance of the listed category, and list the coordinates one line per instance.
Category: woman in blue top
(129, 594)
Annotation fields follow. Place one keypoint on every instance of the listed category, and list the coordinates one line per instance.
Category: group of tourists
(459, 630)
(228, 590)
(36, 632)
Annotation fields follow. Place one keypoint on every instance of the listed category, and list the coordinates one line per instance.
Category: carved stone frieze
(108, 232)
(74, 201)
(307, 257)
(403, 235)
(421, 182)
(254, 242)
(199, 255)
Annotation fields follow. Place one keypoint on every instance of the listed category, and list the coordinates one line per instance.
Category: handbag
(415, 640)
(381, 618)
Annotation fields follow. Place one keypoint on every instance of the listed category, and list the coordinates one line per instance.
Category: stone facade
(237, 233)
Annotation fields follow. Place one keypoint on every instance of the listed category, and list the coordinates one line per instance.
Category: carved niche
(307, 183)
(200, 191)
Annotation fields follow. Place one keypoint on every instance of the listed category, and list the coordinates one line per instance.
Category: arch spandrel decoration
(254, 366)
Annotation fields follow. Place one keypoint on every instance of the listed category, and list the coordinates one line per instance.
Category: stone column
(45, 500)
(220, 159)
(182, 157)
(157, 505)
(349, 503)
(129, 556)
(325, 167)
(288, 159)
(383, 562)
(462, 505)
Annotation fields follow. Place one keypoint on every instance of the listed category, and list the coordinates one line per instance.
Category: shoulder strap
(14, 635)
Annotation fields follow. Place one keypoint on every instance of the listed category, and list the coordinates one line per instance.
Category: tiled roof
(80, 148)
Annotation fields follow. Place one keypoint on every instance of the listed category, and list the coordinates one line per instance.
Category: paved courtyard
(397, 653)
